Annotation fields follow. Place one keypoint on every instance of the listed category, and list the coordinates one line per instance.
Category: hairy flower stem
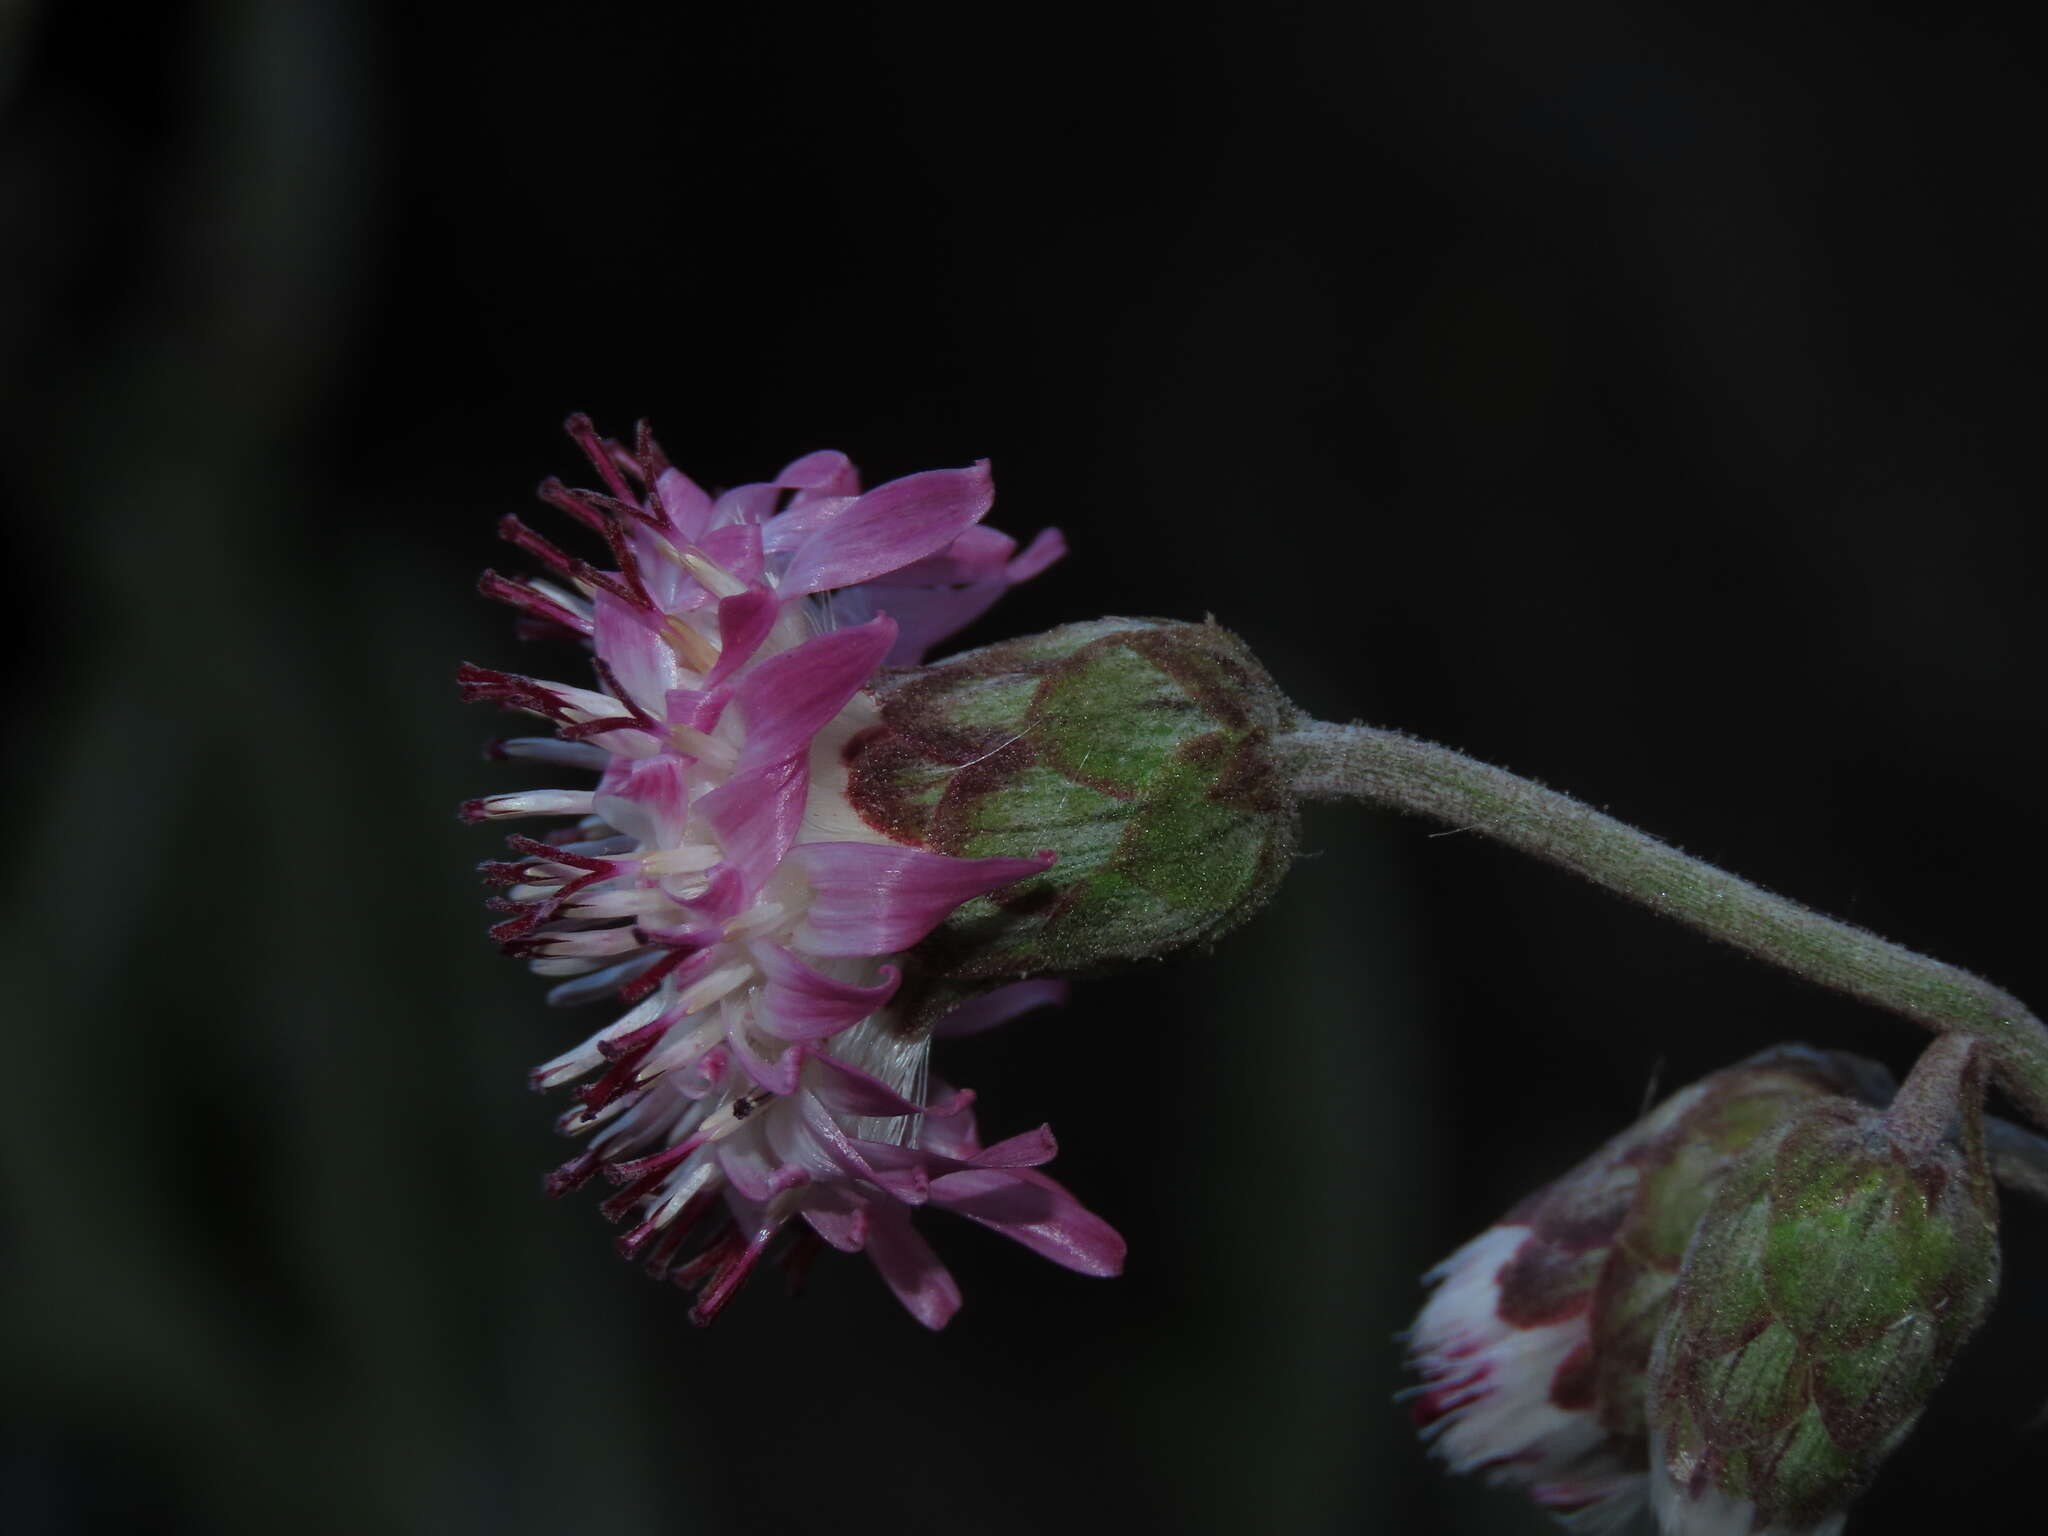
(1357, 762)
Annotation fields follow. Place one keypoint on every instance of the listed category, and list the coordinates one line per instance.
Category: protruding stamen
(638, 1041)
(582, 1120)
(658, 1163)
(621, 1205)
(585, 730)
(552, 701)
(532, 802)
(599, 1048)
(580, 572)
(483, 685)
(599, 451)
(734, 1262)
(590, 857)
(573, 1174)
(632, 706)
(530, 599)
(514, 531)
(651, 463)
(632, 991)
(621, 903)
(590, 942)
(623, 1075)
(593, 509)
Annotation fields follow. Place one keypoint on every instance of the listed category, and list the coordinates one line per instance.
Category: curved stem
(1356, 762)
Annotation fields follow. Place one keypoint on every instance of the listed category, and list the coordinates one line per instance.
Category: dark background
(1642, 397)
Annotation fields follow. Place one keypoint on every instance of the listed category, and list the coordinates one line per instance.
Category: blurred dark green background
(1643, 396)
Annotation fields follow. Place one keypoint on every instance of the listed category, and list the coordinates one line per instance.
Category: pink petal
(890, 527)
(1050, 545)
(803, 518)
(826, 1135)
(641, 660)
(753, 1172)
(789, 698)
(827, 472)
(953, 1137)
(926, 615)
(756, 814)
(647, 799)
(979, 554)
(854, 1093)
(799, 1004)
(670, 586)
(1026, 1150)
(910, 1268)
(828, 1138)
(1001, 1006)
(727, 1279)
(697, 708)
(736, 549)
(794, 1139)
(876, 899)
(939, 1155)
(744, 620)
(686, 503)
(725, 893)
(753, 503)
(778, 1076)
(1033, 1210)
(844, 1224)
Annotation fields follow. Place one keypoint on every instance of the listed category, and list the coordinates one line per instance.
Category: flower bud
(1534, 1348)
(1139, 751)
(1844, 1260)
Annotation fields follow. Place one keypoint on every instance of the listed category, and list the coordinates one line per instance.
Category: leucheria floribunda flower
(806, 853)
(716, 882)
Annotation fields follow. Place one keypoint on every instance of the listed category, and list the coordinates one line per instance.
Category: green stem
(1356, 762)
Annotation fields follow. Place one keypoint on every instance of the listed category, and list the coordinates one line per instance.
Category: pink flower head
(717, 882)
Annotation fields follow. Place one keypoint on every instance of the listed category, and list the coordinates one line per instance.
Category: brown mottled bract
(1608, 1238)
(1140, 751)
(1843, 1261)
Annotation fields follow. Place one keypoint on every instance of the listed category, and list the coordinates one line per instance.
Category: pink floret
(716, 883)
